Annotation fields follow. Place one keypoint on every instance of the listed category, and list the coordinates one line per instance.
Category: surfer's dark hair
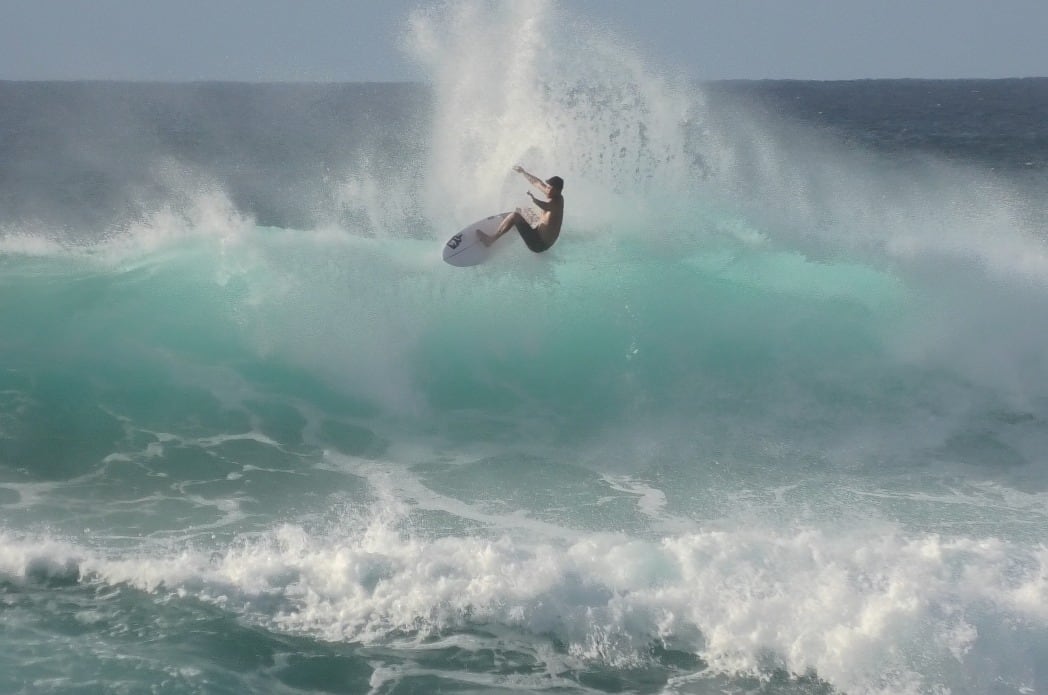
(556, 182)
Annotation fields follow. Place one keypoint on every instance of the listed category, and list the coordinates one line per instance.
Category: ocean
(771, 417)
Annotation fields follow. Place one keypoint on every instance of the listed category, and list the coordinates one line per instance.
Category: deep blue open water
(771, 417)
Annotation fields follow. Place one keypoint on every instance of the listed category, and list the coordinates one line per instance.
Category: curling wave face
(770, 417)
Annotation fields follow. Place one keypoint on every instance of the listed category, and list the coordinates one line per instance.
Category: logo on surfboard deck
(453, 242)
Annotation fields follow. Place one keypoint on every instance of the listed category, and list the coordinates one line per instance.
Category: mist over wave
(770, 417)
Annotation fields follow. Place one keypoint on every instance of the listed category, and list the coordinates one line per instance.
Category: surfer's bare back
(540, 237)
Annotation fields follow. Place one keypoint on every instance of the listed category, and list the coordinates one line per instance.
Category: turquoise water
(282, 459)
(769, 418)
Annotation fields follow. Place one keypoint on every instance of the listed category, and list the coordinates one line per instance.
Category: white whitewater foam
(869, 612)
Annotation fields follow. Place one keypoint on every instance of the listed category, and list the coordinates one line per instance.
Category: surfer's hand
(518, 168)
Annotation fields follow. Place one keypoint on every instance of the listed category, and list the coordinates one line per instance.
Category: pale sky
(356, 40)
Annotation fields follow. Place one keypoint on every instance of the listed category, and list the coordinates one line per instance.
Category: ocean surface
(771, 417)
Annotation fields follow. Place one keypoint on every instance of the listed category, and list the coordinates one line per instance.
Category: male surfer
(541, 236)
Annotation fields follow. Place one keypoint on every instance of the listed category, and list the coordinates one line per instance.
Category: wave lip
(769, 417)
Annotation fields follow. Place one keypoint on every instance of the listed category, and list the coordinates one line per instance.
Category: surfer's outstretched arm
(535, 180)
(541, 204)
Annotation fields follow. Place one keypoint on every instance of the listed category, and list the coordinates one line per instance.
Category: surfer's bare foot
(485, 239)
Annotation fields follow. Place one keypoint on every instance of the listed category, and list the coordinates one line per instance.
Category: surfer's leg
(532, 239)
(506, 225)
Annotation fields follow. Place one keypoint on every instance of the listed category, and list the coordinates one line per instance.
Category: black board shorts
(530, 236)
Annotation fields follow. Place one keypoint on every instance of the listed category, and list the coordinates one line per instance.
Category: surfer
(540, 237)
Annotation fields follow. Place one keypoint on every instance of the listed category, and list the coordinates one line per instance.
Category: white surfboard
(466, 248)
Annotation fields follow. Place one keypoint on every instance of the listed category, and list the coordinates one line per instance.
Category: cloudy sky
(356, 40)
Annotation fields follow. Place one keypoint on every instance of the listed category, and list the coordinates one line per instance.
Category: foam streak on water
(771, 417)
